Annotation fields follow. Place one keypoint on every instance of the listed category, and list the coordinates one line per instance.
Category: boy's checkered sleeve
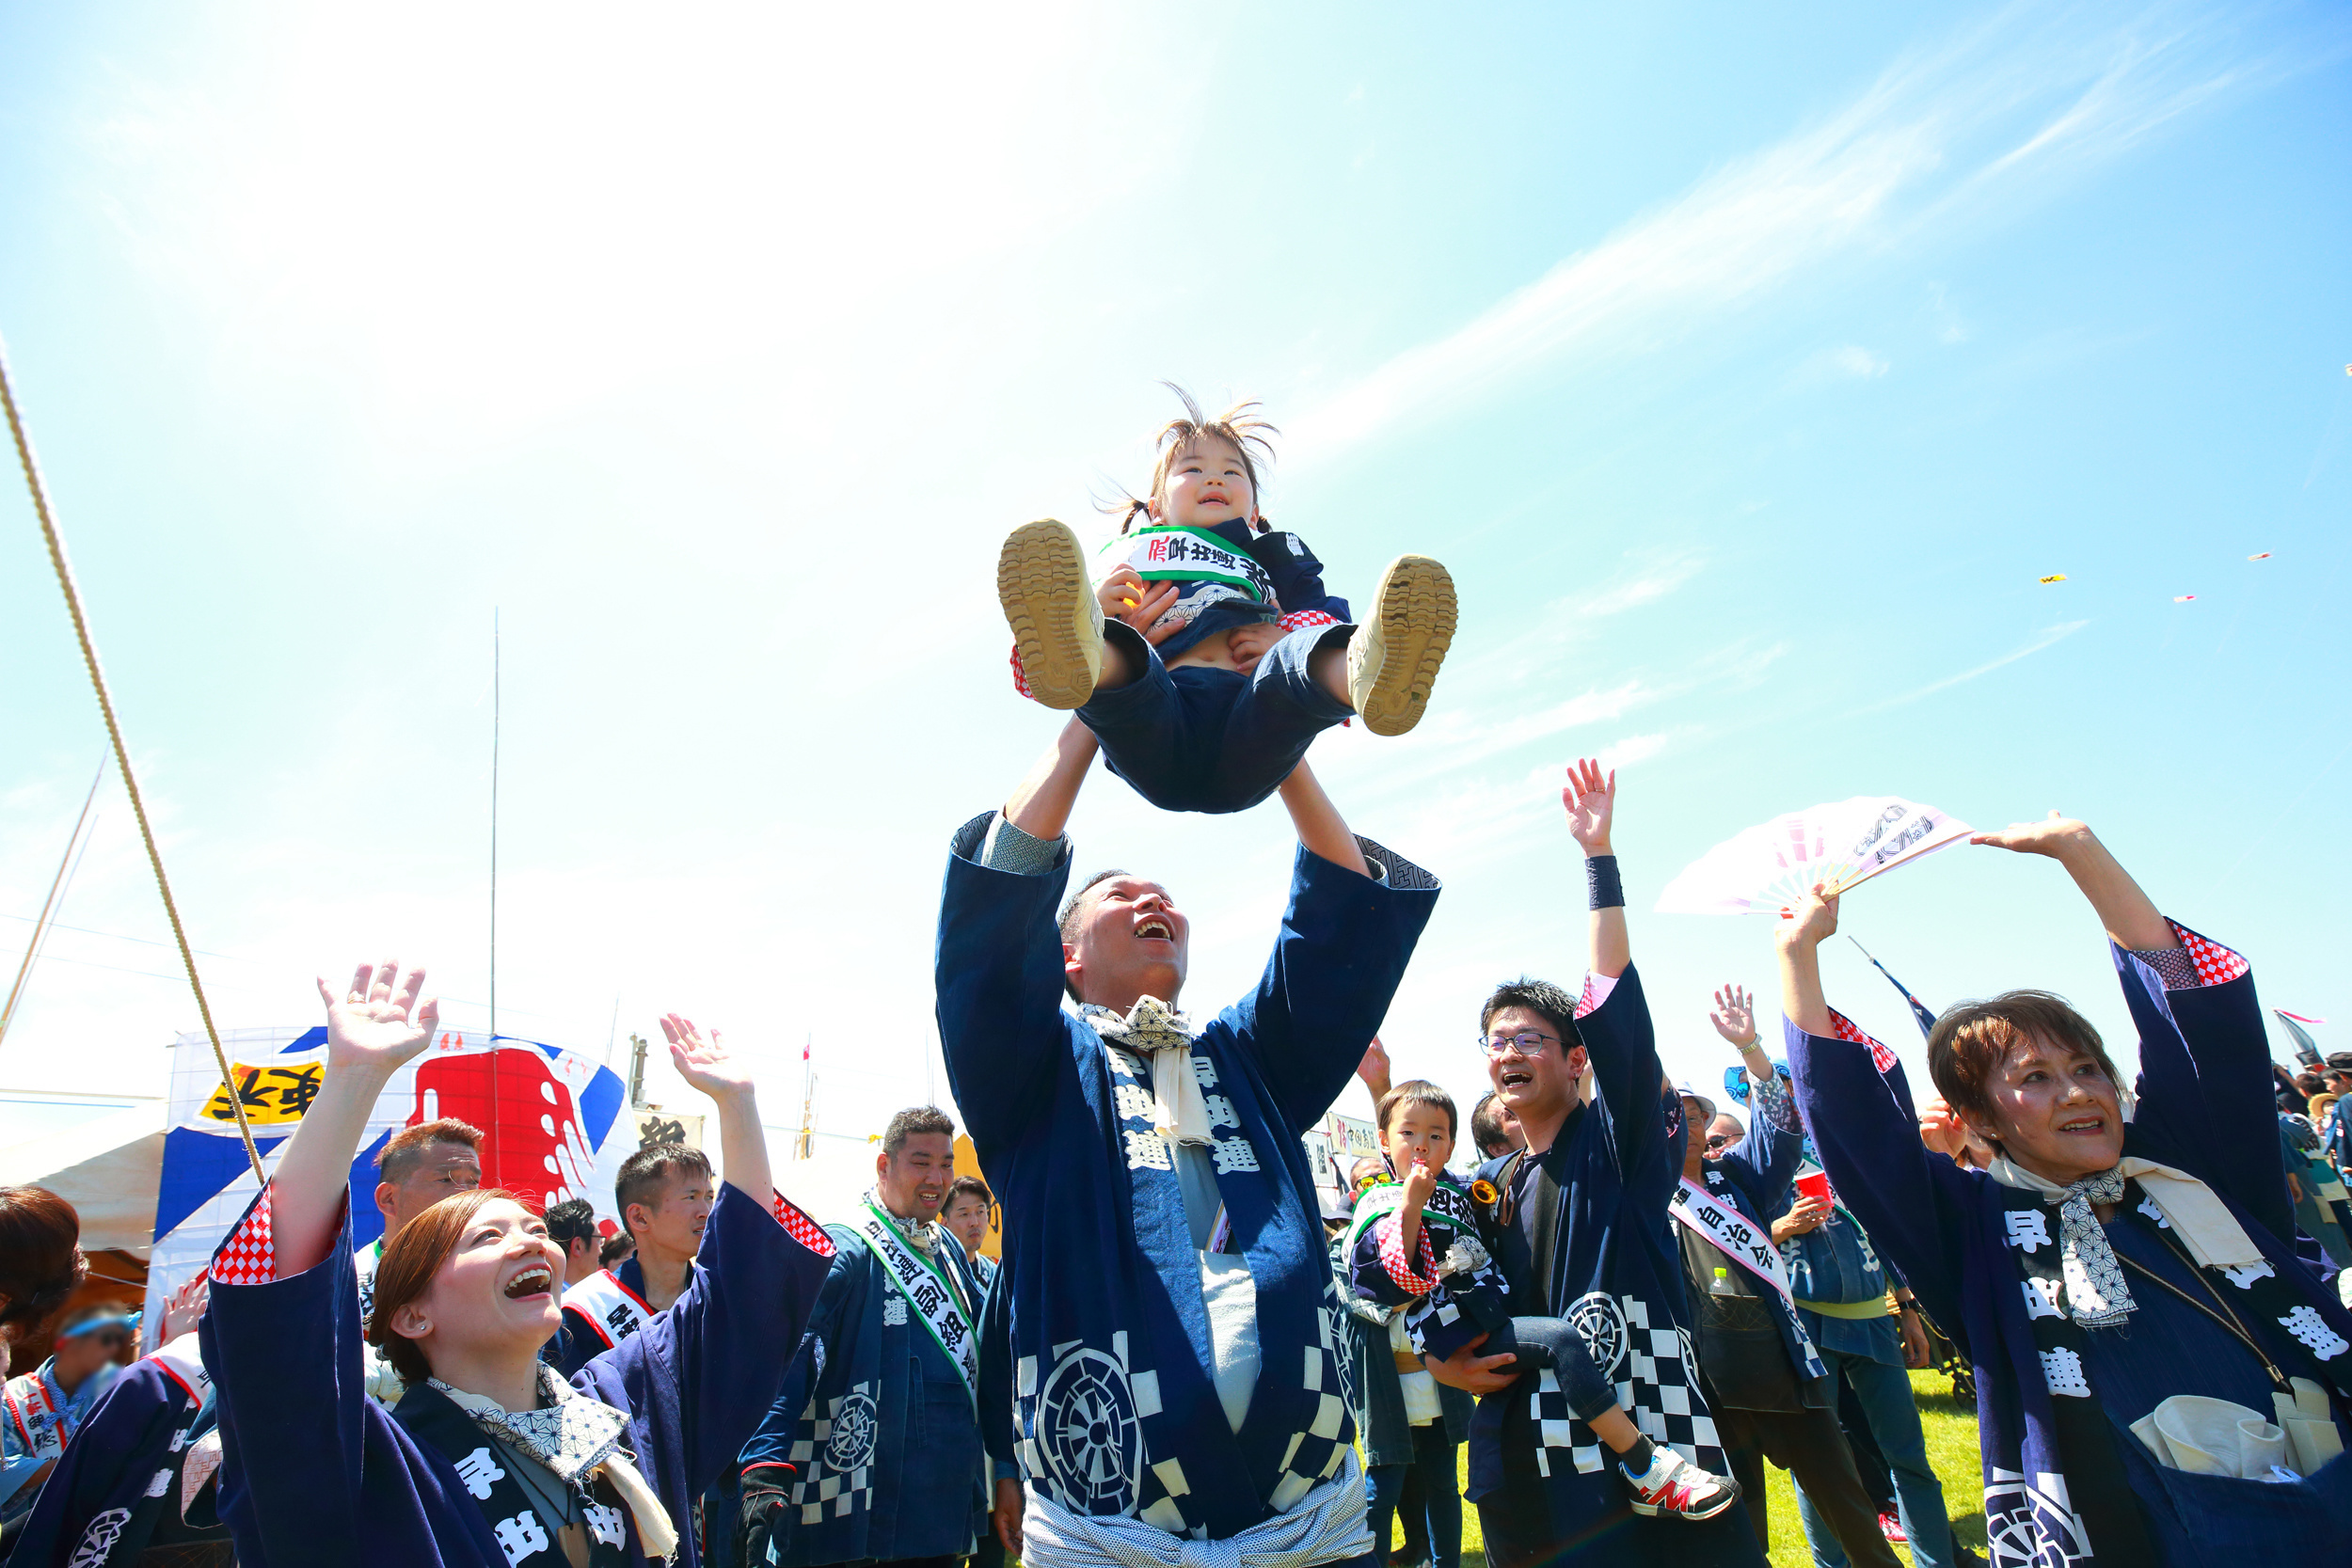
(1418, 1280)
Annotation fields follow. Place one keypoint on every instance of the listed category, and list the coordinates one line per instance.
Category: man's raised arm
(998, 976)
(1345, 938)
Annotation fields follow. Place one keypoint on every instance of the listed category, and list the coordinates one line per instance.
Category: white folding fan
(1770, 868)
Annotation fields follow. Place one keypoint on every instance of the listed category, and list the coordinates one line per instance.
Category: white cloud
(1855, 360)
(2034, 644)
(2019, 100)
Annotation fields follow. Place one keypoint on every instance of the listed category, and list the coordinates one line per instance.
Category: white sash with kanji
(1727, 1231)
(616, 1310)
(31, 1409)
(927, 1288)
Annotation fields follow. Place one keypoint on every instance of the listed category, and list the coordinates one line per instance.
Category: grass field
(1951, 1433)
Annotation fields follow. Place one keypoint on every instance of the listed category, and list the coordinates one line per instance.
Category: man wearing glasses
(1579, 1227)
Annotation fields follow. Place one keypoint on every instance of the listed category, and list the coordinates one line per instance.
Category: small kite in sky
(2055, 576)
(2183, 599)
(2263, 555)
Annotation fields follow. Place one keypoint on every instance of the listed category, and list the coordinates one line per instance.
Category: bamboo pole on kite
(114, 736)
(49, 905)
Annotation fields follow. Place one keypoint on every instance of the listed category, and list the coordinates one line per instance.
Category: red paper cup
(1816, 1186)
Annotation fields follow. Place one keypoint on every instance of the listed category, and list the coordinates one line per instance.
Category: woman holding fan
(2161, 1380)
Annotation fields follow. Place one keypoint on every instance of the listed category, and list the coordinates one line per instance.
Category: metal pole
(494, 823)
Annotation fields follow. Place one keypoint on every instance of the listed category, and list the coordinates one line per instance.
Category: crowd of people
(1186, 1353)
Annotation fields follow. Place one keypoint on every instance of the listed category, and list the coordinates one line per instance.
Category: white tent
(107, 1167)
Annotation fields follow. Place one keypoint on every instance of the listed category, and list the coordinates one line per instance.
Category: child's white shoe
(1057, 622)
(1673, 1485)
(1394, 656)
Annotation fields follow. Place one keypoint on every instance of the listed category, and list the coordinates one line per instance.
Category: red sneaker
(1675, 1485)
(1891, 1526)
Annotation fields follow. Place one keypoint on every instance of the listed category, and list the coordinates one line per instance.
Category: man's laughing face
(1132, 942)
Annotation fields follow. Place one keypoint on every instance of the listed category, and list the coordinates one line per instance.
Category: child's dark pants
(1206, 740)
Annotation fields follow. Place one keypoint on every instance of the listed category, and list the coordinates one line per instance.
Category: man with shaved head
(1177, 1359)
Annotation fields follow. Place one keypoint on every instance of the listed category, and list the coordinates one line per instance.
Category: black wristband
(1600, 878)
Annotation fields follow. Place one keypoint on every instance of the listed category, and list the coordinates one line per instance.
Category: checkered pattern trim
(801, 1228)
(2216, 964)
(247, 1255)
(1390, 1229)
(1300, 620)
(1597, 989)
(1847, 1029)
(1657, 1385)
(1020, 676)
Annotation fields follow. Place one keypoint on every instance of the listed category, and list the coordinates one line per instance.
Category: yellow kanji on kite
(2055, 576)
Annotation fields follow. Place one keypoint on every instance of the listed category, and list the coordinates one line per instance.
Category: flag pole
(49, 905)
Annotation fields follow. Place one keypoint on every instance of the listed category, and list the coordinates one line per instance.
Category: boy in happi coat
(1579, 1225)
(872, 1452)
(1176, 1361)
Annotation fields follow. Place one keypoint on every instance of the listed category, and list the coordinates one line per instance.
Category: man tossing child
(1419, 1242)
(1209, 656)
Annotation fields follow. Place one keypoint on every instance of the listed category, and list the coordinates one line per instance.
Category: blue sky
(1746, 369)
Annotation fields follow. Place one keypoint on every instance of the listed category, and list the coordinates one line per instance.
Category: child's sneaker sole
(1050, 604)
(1392, 658)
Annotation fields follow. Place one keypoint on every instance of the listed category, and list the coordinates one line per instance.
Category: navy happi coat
(117, 1487)
(1100, 1284)
(878, 1425)
(1589, 1241)
(316, 1472)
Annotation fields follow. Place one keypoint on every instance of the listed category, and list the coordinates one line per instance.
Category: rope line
(123, 755)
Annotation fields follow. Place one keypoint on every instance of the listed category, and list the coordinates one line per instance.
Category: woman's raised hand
(1813, 922)
(1733, 1016)
(1591, 801)
(2053, 835)
(379, 1024)
(1940, 1129)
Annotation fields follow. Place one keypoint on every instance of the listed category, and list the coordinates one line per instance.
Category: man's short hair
(1418, 1091)
(1547, 1001)
(1971, 1040)
(615, 1247)
(574, 1220)
(1486, 1125)
(963, 1184)
(398, 1159)
(1068, 923)
(645, 1173)
(912, 1122)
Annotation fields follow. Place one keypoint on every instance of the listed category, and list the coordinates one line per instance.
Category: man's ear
(635, 1215)
(388, 1200)
(1071, 967)
(881, 1166)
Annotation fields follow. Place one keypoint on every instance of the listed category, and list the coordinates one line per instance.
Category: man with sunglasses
(46, 1406)
(1579, 1222)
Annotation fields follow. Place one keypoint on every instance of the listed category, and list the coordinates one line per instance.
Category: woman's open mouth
(2083, 1126)
(536, 1280)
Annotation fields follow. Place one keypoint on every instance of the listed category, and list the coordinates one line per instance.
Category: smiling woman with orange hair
(490, 1460)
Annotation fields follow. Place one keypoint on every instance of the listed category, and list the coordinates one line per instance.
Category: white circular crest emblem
(1089, 1434)
(1601, 1320)
(854, 1426)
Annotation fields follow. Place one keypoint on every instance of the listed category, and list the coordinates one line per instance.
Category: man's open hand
(1472, 1372)
(1591, 802)
(1733, 1016)
(703, 1061)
